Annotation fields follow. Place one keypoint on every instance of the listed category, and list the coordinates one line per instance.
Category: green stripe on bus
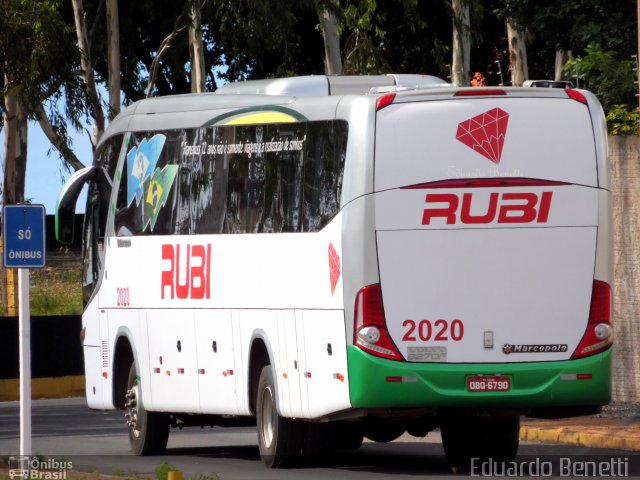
(534, 384)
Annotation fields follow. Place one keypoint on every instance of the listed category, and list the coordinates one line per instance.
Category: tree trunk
(15, 149)
(331, 37)
(196, 49)
(460, 63)
(113, 54)
(164, 47)
(87, 72)
(13, 182)
(562, 56)
(517, 55)
(63, 147)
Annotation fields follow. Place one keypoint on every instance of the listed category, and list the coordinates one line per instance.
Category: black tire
(148, 431)
(383, 431)
(349, 436)
(319, 442)
(280, 440)
(482, 438)
(503, 439)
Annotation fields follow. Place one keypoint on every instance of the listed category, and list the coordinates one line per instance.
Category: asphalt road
(97, 442)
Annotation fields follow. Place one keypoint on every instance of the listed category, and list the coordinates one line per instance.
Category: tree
(33, 71)
(196, 49)
(37, 57)
(113, 55)
(517, 54)
(88, 73)
(558, 28)
(461, 56)
(331, 37)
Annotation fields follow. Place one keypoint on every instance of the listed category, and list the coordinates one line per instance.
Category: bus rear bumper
(376, 382)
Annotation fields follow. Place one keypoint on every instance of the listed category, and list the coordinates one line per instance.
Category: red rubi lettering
(449, 212)
(182, 289)
(200, 287)
(524, 212)
(166, 278)
(189, 275)
(508, 207)
(545, 206)
(465, 214)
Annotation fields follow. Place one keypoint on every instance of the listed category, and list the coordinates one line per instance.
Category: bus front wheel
(280, 439)
(148, 431)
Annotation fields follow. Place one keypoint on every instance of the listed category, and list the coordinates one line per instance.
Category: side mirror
(66, 204)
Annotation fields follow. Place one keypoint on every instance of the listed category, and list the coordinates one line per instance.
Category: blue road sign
(23, 235)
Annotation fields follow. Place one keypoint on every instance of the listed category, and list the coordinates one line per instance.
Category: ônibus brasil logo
(485, 133)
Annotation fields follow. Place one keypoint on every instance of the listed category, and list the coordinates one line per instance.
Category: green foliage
(623, 120)
(38, 53)
(360, 23)
(571, 25)
(602, 72)
(162, 470)
(54, 291)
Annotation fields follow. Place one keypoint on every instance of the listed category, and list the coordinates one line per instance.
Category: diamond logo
(334, 267)
(485, 133)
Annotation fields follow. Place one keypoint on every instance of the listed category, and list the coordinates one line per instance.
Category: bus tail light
(477, 92)
(370, 327)
(385, 101)
(577, 96)
(599, 335)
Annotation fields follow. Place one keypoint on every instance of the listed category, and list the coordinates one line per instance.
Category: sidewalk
(594, 431)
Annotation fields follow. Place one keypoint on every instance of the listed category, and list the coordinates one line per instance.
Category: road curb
(48, 387)
(615, 437)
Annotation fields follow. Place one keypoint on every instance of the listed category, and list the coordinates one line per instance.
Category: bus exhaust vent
(104, 348)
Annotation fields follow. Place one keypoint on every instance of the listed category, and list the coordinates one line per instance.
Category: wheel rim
(131, 407)
(267, 418)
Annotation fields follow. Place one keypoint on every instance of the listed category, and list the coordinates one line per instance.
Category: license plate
(488, 384)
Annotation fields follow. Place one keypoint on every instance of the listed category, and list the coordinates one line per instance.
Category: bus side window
(323, 170)
(209, 181)
(147, 201)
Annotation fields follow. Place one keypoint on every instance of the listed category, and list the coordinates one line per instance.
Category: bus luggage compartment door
(495, 293)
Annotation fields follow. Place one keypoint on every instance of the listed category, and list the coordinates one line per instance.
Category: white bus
(333, 258)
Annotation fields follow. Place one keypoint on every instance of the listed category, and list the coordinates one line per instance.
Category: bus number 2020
(438, 331)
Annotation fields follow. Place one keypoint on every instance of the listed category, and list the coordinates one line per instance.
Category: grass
(56, 291)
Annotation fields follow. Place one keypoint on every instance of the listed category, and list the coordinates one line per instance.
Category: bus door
(217, 370)
(172, 360)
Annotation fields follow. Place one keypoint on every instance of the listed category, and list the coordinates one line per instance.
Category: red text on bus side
(189, 275)
(505, 207)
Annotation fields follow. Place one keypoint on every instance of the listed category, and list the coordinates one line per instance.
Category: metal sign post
(24, 248)
(24, 321)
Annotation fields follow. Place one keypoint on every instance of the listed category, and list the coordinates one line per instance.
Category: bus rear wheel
(280, 439)
(464, 438)
(148, 431)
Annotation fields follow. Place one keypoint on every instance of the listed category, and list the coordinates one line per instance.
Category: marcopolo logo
(553, 348)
